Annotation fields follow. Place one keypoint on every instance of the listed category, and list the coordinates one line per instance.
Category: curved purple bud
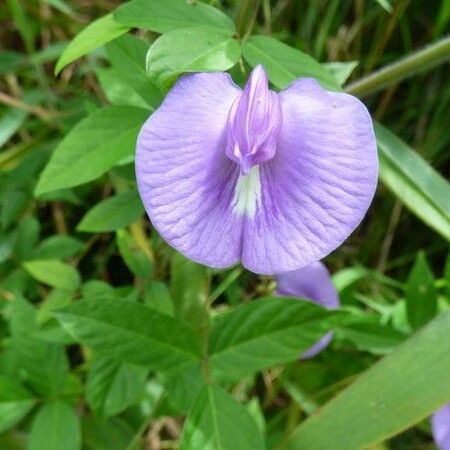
(440, 423)
(313, 283)
(274, 180)
(254, 123)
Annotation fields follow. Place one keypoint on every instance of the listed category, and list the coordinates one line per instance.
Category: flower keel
(254, 123)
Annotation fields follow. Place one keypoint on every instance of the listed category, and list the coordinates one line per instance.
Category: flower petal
(184, 178)
(440, 422)
(312, 282)
(320, 345)
(319, 185)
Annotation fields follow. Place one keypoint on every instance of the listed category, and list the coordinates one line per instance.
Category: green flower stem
(422, 59)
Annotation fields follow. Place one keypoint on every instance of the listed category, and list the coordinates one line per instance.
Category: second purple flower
(274, 180)
(312, 283)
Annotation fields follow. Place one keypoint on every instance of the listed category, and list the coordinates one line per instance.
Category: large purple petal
(319, 185)
(440, 422)
(314, 283)
(184, 177)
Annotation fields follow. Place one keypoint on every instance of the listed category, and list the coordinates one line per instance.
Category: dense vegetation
(109, 338)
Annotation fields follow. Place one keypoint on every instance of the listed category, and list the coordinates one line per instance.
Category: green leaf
(56, 299)
(172, 15)
(22, 23)
(135, 259)
(127, 55)
(54, 273)
(43, 365)
(10, 122)
(94, 35)
(416, 184)
(132, 332)
(113, 386)
(367, 334)
(182, 389)
(27, 237)
(10, 61)
(385, 5)
(117, 90)
(101, 434)
(14, 203)
(189, 287)
(15, 403)
(57, 246)
(283, 63)
(264, 333)
(341, 71)
(218, 422)
(92, 147)
(421, 295)
(190, 50)
(402, 389)
(113, 213)
(62, 6)
(157, 296)
(55, 427)
(349, 276)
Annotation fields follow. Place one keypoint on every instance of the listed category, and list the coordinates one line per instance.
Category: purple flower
(313, 283)
(440, 422)
(275, 180)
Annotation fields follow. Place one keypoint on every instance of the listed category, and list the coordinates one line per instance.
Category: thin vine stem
(393, 73)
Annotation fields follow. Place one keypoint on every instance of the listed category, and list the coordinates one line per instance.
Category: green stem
(422, 59)
(230, 278)
(246, 17)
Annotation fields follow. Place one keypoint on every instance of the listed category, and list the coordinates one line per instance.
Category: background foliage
(111, 340)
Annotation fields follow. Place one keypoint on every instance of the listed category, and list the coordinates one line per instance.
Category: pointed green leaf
(133, 255)
(94, 35)
(15, 402)
(113, 386)
(132, 332)
(385, 5)
(423, 190)
(421, 295)
(341, 71)
(190, 50)
(127, 55)
(92, 147)
(168, 15)
(55, 427)
(43, 365)
(101, 434)
(182, 389)
(113, 213)
(54, 273)
(284, 63)
(264, 333)
(368, 334)
(400, 390)
(117, 90)
(218, 422)
(57, 246)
